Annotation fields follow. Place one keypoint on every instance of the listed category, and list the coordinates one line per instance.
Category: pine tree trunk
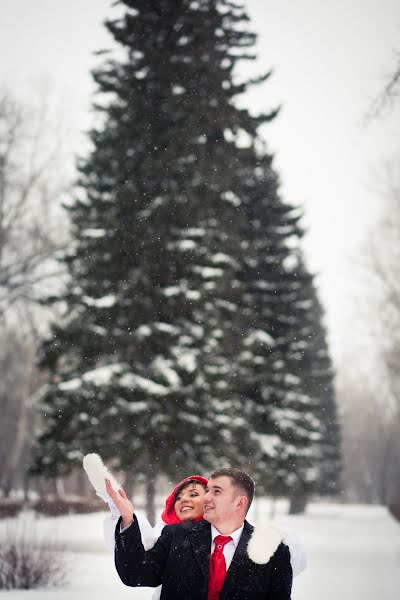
(129, 484)
(150, 498)
(6, 486)
(298, 504)
(26, 481)
(60, 487)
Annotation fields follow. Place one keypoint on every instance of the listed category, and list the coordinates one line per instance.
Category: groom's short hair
(240, 480)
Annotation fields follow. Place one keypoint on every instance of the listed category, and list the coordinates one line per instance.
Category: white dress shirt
(229, 548)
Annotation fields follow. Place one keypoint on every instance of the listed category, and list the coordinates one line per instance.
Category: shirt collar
(235, 535)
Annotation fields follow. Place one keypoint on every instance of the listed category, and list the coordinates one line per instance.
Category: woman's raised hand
(122, 502)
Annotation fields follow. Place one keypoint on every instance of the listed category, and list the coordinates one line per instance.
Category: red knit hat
(169, 515)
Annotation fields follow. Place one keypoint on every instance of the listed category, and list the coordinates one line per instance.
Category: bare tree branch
(30, 234)
(388, 96)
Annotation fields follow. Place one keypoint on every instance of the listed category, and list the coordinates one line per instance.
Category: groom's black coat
(180, 562)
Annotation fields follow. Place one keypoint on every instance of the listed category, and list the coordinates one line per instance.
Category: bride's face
(189, 502)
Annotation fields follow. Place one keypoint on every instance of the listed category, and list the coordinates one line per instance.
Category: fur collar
(264, 543)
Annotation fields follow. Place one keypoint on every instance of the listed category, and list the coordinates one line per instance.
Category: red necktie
(217, 567)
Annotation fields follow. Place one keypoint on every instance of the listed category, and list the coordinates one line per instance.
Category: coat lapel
(235, 571)
(200, 539)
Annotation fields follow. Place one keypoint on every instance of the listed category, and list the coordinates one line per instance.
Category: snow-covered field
(353, 554)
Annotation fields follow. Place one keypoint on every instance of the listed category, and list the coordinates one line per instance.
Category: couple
(202, 558)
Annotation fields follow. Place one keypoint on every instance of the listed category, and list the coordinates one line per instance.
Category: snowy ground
(353, 554)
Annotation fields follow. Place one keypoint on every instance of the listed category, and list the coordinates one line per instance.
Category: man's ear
(242, 502)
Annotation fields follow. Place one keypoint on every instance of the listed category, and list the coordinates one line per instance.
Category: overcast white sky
(330, 59)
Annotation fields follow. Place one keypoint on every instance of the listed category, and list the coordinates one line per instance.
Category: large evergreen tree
(286, 379)
(178, 231)
(305, 455)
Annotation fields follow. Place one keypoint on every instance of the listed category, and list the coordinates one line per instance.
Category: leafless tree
(19, 383)
(370, 447)
(388, 96)
(33, 228)
(383, 264)
(370, 397)
(30, 193)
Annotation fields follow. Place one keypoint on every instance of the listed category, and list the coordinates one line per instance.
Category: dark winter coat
(180, 562)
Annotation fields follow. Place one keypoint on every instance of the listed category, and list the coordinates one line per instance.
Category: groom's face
(221, 500)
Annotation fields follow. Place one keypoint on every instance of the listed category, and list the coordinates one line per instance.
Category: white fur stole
(263, 543)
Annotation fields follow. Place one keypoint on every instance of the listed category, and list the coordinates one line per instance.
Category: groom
(203, 560)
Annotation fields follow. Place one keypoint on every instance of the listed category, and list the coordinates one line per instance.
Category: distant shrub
(56, 506)
(26, 562)
(10, 508)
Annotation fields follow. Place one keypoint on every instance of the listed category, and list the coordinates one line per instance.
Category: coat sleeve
(134, 565)
(147, 532)
(281, 576)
